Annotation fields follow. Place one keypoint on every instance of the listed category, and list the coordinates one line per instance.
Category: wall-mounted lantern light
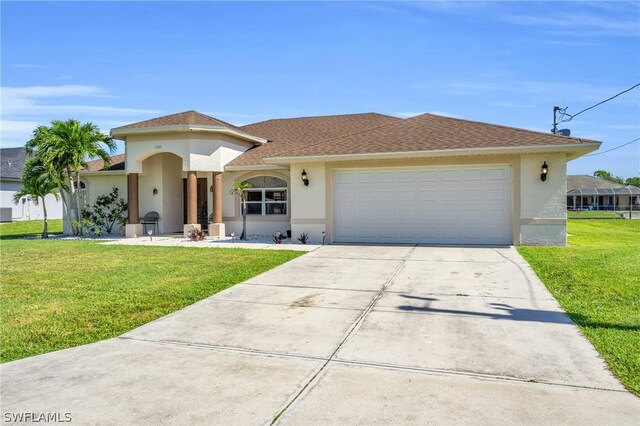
(155, 191)
(544, 171)
(305, 178)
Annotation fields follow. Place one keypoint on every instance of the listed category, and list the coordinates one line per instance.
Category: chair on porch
(152, 219)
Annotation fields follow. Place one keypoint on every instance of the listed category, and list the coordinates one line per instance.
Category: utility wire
(571, 116)
(613, 149)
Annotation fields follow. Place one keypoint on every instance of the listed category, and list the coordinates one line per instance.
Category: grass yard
(593, 215)
(29, 228)
(596, 279)
(59, 294)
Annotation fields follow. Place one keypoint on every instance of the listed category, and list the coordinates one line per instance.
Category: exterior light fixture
(150, 232)
(324, 235)
(305, 178)
(155, 191)
(544, 171)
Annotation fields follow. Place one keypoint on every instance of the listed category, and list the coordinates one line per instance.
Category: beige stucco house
(368, 178)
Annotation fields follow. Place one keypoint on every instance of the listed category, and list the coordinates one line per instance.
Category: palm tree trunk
(67, 211)
(78, 203)
(244, 220)
(45, 231)
(70, 208)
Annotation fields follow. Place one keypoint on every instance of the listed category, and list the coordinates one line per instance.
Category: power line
(571, 116)
(613, 149)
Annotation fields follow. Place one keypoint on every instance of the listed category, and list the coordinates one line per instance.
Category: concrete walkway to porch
(258, 243)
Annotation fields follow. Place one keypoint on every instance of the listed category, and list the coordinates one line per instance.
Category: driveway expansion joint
(353, 327)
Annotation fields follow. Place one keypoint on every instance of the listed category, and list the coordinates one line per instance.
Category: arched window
(267, 196)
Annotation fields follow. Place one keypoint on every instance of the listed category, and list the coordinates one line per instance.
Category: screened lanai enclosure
(623, 198)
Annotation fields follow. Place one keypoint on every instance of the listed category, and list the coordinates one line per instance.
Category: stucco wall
(172, 194)
(543, 204)
(151, 178)
(309, 203)
(27, 210)
(96, 185)
(199, 151)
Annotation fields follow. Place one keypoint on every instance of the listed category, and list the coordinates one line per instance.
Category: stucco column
(216, 229)
(133, 227)
(192, 198)
(217, 197)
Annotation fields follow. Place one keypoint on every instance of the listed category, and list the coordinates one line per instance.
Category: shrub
(106, 211)
(196, 234)
(303, 238)
(277, 237)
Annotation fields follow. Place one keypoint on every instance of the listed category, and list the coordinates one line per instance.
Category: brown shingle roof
(117, 163)
(366, 133)
(428, 132)
(186, 117)
(289, 135)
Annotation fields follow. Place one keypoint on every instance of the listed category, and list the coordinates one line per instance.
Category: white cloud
(23, 108)
(444, 114)
(578, 23)
(407, 114)
(16, 132)
(30, 100)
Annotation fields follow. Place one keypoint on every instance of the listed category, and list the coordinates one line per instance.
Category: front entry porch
(179, 197)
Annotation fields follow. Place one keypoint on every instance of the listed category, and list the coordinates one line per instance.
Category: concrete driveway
(343, 335)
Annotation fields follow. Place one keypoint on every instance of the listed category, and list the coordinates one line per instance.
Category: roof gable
(190, 117)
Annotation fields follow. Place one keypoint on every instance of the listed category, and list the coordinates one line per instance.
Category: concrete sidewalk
(343, 335)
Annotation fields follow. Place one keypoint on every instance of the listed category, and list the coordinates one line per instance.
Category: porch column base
(133, 230)
(189, 227)
(216, 230)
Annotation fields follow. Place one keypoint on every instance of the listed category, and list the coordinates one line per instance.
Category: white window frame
(264, 201)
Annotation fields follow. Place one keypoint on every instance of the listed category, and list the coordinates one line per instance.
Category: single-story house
(356, 178)
(591, 193)
(12, 162)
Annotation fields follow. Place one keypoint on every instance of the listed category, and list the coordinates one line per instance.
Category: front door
(201, 202)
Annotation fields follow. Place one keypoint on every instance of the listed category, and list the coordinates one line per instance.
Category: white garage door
(429, 205)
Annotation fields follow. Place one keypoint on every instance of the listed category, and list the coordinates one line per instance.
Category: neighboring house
(591, 193)
(359, 178)
(12, 164)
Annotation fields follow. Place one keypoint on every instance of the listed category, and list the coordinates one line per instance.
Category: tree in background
(64, 148)
(240, 189)
(635, 181)
(37, 183)
(603, 174)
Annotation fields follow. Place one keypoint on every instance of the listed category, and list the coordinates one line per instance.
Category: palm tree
(65, 147)
(240, 189)
(37, 183)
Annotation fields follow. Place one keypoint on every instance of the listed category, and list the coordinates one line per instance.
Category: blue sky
(508, 63)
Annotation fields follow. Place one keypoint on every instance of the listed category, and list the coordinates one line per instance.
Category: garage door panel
(448, 206)
(497, 174)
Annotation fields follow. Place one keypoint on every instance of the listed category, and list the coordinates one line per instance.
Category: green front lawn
(593, 215)
(596, 279)
(59, 294)
(29, 228)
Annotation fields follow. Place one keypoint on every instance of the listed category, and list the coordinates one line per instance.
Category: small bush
(105, 213)
(303, 238)
(196, 234)
(277, 237)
